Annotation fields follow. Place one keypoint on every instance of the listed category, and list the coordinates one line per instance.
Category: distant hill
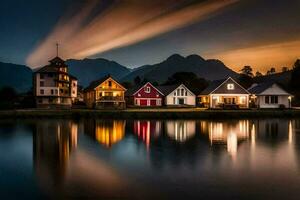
(16, 76)
(208, 69)
(283, 78)
(88, 70)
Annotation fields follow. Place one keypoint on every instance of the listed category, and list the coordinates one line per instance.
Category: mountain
(208, 69)
(88, 70)
(283, 78)
(16, 76)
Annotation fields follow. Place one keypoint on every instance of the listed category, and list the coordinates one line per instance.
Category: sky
(259, 33)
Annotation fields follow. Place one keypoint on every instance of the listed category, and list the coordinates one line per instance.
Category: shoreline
(161, 113)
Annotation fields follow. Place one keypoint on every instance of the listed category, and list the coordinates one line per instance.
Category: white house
(225, 94)
(270, 95)
(178, 95)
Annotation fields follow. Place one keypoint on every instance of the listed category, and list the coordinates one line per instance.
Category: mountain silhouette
(16, 76)
(208, 69)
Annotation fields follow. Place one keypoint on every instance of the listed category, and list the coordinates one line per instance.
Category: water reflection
(107, 132)
(181, 130)
(226, 133)
(146, 130)
(174, 153)
(53, 143)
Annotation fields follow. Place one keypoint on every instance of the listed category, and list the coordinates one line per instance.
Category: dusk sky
(260, 33)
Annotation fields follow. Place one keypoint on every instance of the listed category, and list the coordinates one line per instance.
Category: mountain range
(16, 76)
(208, 69)
(87, 70)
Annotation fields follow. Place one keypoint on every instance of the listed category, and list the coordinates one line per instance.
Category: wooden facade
(105, 93)
(145, 96)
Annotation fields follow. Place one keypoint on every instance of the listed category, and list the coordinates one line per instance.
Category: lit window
(147, 89)
(230, 86)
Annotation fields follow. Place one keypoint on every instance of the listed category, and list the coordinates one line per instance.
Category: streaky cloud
(121, 24)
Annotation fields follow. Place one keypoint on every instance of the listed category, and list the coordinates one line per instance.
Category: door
(180, 101)
(143, 102)
(153, 102)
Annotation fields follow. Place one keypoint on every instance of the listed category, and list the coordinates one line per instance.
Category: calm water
(238, 159)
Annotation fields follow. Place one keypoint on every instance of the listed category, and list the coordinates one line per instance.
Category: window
(42, 83)
(50, 75)
(40, 100)
(41, 76)
(61, 91)
(74, 84)
(186, 93)
(174, 93)
(178, 92)
(147, 89)
(158, 102)
(230, 86)
(174, 100)
(41, 91)
(109, 83)
(52, 91)
(182, 92)
(274, 99)
(271, 99)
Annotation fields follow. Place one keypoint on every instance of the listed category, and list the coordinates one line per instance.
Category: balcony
(110, 98)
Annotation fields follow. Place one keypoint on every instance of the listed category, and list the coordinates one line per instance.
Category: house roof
(72, 77)
(261, 87)
(167, 89)
(136, 88)
(212, 86)
(96, 83)
(217, 86)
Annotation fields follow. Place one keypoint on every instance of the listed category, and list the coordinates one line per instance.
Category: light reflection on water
(149, 159)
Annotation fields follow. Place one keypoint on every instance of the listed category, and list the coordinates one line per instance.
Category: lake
(141, 159)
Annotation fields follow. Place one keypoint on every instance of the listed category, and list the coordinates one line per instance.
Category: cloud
(120, 24)
(262, 57)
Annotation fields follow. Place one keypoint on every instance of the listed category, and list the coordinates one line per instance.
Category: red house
(146, 95)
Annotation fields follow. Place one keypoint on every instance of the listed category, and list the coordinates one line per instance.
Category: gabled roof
(212, 86)
(261, 87)
(167, 89)
(96, 83)
(137, 88)
(57, 59)
(215, 85)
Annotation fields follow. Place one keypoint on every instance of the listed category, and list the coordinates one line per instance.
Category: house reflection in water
(180, 130)
(273, 131)
(106, 132)
(53, 143)
(227, 133)
(146, 129)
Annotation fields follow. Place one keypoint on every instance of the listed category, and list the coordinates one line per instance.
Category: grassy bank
(186, 113)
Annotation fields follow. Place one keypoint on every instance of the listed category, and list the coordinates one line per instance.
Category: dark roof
(212, 86)
(133, 90)
(47, 69)
(260, 87)
(72, 77)
(57, 59)
(167, 89)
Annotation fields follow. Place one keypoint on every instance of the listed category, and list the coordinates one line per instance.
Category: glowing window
(230, 86)
(147, 89)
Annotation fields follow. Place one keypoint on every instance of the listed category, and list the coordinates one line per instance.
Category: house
(224, 94)
(270, 95)
(105, 93)
(145, 96)
(178, 95)
(54, 86)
